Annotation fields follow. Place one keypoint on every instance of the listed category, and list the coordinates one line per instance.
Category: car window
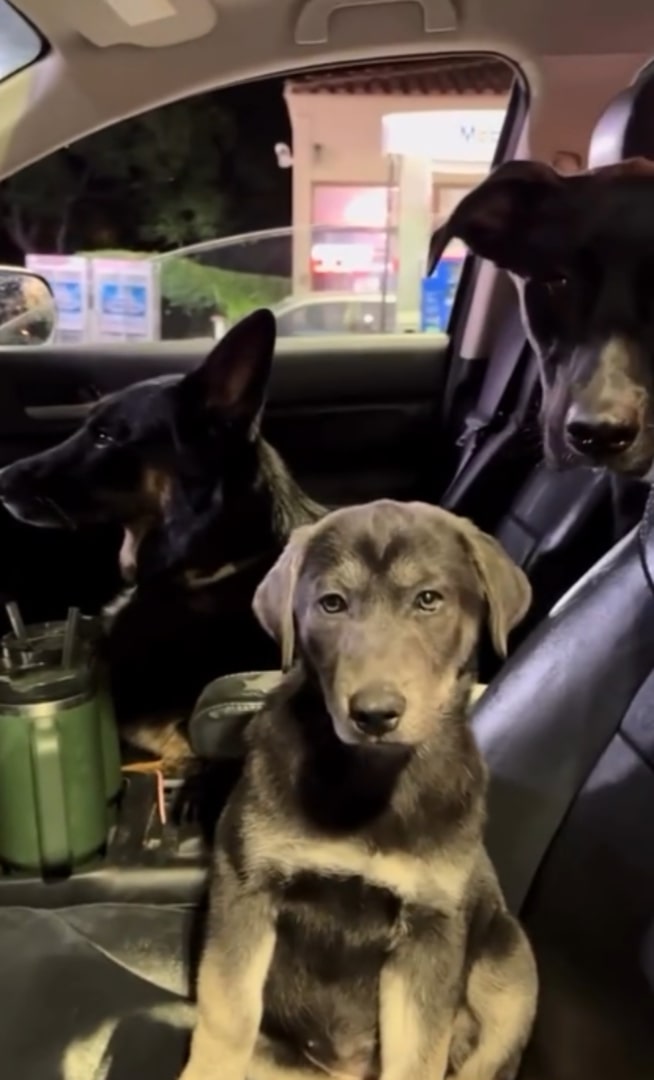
(173, 225)
(20, 44)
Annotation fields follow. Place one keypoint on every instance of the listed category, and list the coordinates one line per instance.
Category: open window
(172, 225)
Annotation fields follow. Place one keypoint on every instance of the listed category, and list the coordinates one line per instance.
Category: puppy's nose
(376, 709)
(599, 435)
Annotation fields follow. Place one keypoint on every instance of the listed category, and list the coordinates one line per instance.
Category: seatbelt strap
(507, 354)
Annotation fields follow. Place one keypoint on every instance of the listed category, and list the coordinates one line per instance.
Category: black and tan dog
(206, 506)
(356, 927)
(580, 249)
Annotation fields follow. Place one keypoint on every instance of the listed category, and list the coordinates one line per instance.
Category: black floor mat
(95, 993)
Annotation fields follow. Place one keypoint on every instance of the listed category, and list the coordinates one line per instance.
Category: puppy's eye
(333, 603)
(428, 600)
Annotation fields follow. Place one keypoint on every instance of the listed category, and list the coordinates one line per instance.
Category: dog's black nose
(377, 708)
(601, 435)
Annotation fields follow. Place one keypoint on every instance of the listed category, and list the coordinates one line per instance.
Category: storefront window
(354, 205)
(353, 238)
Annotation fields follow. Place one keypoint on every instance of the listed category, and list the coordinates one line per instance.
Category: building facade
(379, 156)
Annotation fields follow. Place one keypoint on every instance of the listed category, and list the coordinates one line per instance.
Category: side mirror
(28, 314)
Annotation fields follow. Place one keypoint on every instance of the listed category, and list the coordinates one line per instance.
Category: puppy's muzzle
(376, 709)
(600, 436)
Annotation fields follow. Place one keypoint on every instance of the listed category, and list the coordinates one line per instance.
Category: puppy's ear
(500, 217)
(234, 378)
(505, 586)
(274, 598)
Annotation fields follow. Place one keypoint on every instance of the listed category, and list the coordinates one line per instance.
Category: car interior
(97, 965)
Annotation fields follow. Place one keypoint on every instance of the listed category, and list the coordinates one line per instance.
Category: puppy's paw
(465, 1038)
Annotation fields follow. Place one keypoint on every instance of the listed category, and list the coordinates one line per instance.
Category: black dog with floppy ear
(507, 217)
(579, 250)
(526, 215)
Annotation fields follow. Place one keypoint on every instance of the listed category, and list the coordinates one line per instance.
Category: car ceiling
(110, 59)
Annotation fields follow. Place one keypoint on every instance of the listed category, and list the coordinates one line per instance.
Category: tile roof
(454, 76)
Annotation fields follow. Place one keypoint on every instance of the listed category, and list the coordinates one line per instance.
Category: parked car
(335, 313)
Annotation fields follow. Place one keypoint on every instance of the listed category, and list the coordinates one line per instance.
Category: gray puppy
(356, 926)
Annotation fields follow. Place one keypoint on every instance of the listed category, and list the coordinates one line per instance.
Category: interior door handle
(312, 26)
(74, 412)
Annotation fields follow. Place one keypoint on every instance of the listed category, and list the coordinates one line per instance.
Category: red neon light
(347, 259)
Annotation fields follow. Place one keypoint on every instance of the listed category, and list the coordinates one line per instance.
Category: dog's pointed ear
(494, 219)
(505, 585)
(275, 596)
(234, 377)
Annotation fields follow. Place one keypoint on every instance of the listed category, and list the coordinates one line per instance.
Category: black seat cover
(94, 992)
(626, 127)
(568, 731)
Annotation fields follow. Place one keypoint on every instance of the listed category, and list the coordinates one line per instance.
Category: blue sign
(126, 300)
(437, 295)
(123, 300)
(68, 296)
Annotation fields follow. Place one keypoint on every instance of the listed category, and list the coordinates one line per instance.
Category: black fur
(180, 464)
(580, 248)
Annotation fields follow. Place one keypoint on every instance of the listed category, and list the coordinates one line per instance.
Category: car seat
(626, 127)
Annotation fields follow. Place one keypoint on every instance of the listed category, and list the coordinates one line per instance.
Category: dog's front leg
(501, 996)
(231, 979)
(417, 1001)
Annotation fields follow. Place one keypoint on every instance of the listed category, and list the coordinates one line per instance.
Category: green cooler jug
(59, 759)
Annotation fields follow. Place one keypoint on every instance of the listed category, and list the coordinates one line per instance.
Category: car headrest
(626, 127)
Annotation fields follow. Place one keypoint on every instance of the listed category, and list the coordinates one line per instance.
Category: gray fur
(357, 928)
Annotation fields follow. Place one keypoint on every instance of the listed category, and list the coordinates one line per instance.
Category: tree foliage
(194, 287)
(160, 180)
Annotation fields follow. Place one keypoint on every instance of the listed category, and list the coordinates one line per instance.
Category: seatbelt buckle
(473, 428)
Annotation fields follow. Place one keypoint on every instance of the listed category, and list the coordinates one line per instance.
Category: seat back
(567, 729)
(547, 717)
(626, 127)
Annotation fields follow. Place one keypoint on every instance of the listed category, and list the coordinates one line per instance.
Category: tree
(36, 205)
(159, 177)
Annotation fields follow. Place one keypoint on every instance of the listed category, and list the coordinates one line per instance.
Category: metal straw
(70, 637)
(19, 631)
(16, 622)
